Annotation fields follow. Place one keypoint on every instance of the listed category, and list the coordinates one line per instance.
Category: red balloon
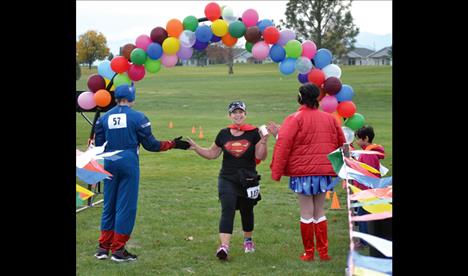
(212, 11)
(332, 85)
(316, 76)
(136, 72)
(346, 109)
(271, 35)
(119, 64)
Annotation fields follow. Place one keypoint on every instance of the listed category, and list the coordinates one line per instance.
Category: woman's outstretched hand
(193, 145)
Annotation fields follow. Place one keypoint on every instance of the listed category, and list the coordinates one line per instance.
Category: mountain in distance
(373, 41)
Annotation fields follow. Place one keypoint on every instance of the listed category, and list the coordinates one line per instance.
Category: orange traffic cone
(193, 129)
(327, 195)
(335, 202)
(170, 124)
(201, 133)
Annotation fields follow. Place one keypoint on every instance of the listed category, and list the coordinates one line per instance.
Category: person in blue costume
(124, 129)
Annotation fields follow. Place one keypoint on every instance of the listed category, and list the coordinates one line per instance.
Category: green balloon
(248, 46)
(190, 23)
(122, 79)
(152, 66)
(355, 122)
(138, 56)
(237, 29)
(293, 48)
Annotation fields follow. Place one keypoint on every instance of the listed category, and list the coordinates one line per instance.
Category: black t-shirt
(238, 151)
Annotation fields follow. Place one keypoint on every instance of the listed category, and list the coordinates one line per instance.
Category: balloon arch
(165, 46)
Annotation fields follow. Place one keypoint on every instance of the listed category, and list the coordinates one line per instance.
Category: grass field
(178, 189)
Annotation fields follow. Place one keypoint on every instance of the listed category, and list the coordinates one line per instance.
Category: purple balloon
(185, 53)
(302, 78)
(285, 36)
(215, 38)
(200, 45)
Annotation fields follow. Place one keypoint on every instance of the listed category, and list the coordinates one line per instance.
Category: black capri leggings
(230, 201)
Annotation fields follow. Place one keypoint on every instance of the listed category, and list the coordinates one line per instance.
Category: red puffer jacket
(305, 139)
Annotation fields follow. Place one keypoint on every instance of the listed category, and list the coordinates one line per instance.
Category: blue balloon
(302, 78)
(200, 45)
(345, 94)
(215, 38)
(277, 53)
(322, 58)
(154, 51)
(203, 33)
(287, 66)
(262, 24)
(105, 70)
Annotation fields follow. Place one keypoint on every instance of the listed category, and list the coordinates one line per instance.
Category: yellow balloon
(107, 83)
(171, 45)
(219, 27)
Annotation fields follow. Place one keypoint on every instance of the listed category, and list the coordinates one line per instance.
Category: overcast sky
(123, 21)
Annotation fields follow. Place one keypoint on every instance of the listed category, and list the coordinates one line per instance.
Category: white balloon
(187, 38)
(228, 14)
(331, 70)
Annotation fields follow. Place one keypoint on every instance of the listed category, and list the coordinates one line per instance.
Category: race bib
(117, 121)
(253, 192)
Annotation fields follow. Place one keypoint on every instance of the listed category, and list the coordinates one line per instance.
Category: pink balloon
(136, 72)
(309, 49)
(169, 60)
(250, 18)
(260, 50)
(329, 104)
(86, 100)
(143, 41)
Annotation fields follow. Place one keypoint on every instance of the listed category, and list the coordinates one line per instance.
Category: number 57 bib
(117, 121)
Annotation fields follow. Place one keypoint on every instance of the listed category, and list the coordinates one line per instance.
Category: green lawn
(178, 189)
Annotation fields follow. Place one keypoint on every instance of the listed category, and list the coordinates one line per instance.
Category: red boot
(105, 240)
(322, 238)
(307, 232)
(119, 241)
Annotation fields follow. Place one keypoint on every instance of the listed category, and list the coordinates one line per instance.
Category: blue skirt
(310, 185)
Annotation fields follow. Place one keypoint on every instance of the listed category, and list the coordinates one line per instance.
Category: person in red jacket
(304, 140)
(364, 137)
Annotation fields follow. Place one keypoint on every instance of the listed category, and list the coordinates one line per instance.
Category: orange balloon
(174, 27)
(229, 40)
(338, 118)
(102, 98)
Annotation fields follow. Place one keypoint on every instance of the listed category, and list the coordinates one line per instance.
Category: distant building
(381, 57)
(357, 56)
(364, 56)
(246, 57)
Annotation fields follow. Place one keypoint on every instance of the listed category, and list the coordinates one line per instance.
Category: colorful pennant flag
(83, 192)
(383, 245)
(371, 264)
(374, 216)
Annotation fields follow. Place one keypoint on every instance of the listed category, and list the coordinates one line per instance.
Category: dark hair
(365, 131)
(308, 94)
